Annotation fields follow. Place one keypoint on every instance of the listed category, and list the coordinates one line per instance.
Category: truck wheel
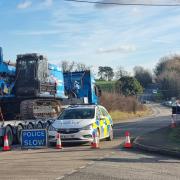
(48, 123)
(9, 133)
(19, 131)
(39, 125)
(30, 126)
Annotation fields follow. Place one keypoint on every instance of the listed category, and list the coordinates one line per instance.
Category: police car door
(99, 122)
(106, 122)
(102, 127)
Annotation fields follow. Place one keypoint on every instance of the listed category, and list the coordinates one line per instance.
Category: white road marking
(89, 163)
(59, 178)
(82, 167)
(73, 171)
(100, 158)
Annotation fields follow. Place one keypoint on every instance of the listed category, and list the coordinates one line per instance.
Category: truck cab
(81, 85)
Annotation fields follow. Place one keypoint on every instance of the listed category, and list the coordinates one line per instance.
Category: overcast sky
(97, 35)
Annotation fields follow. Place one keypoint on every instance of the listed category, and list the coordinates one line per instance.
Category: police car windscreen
(80, 113)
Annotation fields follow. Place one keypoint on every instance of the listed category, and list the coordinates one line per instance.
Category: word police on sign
(34, 138)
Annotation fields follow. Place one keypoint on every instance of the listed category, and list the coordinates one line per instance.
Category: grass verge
(165, 138)
(174, 135)
(174, 139)
(119, 116)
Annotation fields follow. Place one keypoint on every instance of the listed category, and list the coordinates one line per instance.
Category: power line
(122, 4)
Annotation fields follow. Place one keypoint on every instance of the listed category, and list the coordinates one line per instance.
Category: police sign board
(34, 138)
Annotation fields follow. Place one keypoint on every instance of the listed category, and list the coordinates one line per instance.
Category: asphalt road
(111, 161)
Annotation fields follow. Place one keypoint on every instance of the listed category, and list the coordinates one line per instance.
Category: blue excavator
(29, 86)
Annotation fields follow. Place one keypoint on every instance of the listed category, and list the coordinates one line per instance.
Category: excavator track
(40, 108)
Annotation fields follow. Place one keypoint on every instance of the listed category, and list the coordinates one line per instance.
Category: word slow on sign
(34, 138)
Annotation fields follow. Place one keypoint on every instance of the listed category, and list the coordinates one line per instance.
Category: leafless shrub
(70, 66)
(114, 101)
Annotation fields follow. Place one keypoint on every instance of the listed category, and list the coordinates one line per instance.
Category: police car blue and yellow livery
(78, 122)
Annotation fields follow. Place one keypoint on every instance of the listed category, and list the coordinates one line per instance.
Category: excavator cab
(32, 77)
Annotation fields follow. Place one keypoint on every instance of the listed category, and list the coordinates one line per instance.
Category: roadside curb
(155, 149)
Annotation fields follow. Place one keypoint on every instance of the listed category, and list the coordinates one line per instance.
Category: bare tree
(67, 66)
(81, 67)
(70, 66)
(120, 72)
(168, 76)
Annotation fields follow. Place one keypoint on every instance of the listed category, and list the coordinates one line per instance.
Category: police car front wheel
(110, 138)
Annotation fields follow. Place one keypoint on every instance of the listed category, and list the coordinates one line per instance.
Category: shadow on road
(145, 122)
(151, 159)
(139, 128)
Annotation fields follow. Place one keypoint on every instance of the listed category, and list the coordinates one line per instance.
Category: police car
(78, 123)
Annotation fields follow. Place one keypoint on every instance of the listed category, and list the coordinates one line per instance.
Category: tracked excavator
(35, 89)
(31, 92)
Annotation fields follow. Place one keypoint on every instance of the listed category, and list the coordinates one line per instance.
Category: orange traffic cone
(173, 123)
(127, 141)
(58, 141)
(6, 144)
(95, 143)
